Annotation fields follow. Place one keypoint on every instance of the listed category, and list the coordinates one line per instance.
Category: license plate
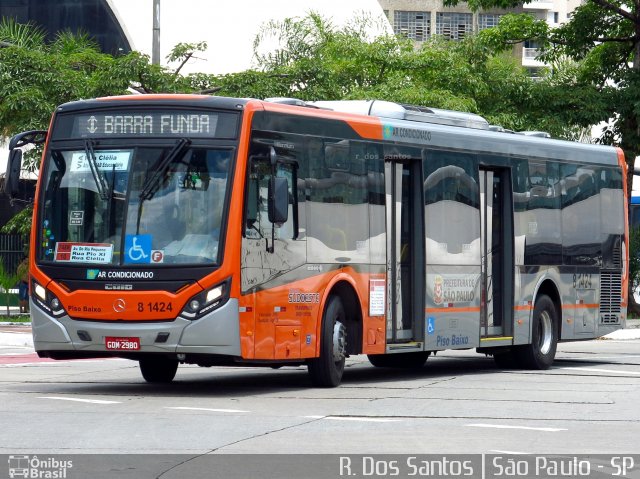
(122, 344)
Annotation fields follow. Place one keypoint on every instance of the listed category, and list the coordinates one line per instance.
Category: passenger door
(405, 253)
(496, 240)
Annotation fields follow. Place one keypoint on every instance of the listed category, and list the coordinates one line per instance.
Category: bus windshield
(137, 205)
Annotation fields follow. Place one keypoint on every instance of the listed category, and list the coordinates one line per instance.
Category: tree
(602, 37)
(316, 60)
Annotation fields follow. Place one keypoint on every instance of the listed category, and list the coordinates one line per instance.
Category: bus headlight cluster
(47, 300)
(206, 301)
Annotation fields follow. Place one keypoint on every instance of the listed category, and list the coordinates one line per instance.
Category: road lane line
(527, 428)
(204, 409)
(613, 371)
(360, 419)
(90, 401)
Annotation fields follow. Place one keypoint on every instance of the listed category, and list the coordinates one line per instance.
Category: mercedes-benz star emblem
(119, 305)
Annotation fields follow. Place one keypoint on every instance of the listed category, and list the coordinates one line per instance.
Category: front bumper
(215, 333)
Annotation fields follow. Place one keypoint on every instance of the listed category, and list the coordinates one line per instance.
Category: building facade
(420, 19)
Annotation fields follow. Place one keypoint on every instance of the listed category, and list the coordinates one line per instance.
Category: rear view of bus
(129, 229)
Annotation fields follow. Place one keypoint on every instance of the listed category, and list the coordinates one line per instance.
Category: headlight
(206, 301)
(47, 300)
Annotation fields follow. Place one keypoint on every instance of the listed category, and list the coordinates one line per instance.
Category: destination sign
(130, 123)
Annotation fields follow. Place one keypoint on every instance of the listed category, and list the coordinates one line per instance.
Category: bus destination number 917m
(155, 307)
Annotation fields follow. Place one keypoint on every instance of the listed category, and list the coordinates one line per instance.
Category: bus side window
(257, 224)
(289, 230)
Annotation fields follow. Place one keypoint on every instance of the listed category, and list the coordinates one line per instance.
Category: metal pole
(155, 46)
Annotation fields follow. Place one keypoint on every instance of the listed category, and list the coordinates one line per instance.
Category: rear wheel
(160, 369)
(326, 370)
(413, 360)
(544, 336)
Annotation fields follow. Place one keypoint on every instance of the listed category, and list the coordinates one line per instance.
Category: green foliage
(183, 52)
(513, 29)
(22, 35)
(20, 223)
(8, 280)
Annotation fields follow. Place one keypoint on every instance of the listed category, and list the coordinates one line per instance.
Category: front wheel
(544, 336)
(159, 369)
(326, 370)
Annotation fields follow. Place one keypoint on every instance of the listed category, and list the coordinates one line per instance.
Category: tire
(326, 370)
(414, 360)
(544, 337)
(158, 369)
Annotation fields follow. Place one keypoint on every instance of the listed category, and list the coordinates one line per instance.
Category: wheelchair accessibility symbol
(137, 249)
(431, 325)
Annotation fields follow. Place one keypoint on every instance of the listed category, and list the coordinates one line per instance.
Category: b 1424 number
(155, 307)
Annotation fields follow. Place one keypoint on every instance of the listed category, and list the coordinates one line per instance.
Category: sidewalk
(19, 335)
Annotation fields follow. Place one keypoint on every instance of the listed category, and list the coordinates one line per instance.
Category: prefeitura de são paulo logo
(38, 467)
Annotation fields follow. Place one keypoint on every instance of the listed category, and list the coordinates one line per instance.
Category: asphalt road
(458, 403)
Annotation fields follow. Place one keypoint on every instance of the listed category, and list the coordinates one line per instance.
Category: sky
(229, 28)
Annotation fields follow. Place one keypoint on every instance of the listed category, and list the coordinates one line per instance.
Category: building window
(413, 25)
(454, 25)
(488, 20)
(556, 17)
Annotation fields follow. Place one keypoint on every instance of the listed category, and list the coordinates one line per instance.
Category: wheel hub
(339, 341)
(546, 332)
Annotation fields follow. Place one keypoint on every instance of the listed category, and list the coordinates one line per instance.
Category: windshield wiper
(152, 184)
(98, 177)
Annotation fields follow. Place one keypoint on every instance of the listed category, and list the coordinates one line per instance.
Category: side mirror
(25, 138)
(12, 176)
(278, 200)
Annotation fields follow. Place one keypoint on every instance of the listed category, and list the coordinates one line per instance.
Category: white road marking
(205, 409)
(90, 401)
(595, 370)
(504, 426)
(360, 419)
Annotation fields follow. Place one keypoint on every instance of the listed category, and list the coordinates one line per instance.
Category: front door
(496, 237)
(405, 256)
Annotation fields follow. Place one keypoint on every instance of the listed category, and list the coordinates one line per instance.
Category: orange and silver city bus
(215, 231)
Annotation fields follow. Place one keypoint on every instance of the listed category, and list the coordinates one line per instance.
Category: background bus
(190, 229)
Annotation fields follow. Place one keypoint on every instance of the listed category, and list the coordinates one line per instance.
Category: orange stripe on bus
(366, 127)
(523, 308)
